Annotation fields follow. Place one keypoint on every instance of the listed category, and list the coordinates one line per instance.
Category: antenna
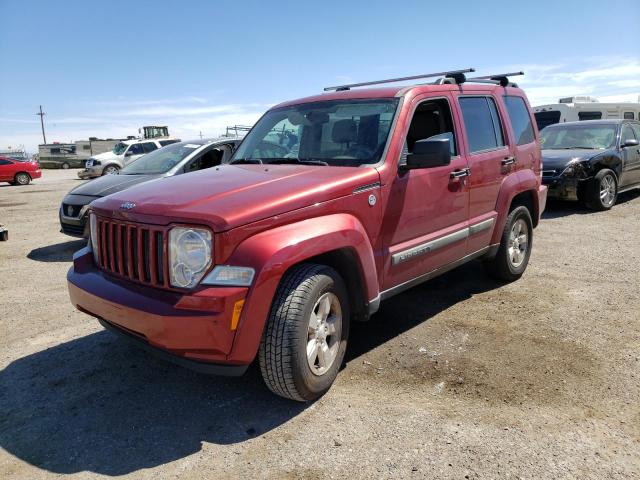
(501, 78)
(457, 75)
(42, 114)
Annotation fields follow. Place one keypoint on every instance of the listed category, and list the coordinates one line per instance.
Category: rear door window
(520, 119)
(149, 147)
(481, 123)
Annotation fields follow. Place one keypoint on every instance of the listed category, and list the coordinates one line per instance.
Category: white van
(573, 109)
(122, 154)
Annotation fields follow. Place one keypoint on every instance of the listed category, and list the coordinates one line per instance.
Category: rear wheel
(22, 178)
(515, 247)
(305, 337)
(602, 190)
(110, 170)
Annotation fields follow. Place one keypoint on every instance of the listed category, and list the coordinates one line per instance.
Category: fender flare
(272, 252)
(515, 184)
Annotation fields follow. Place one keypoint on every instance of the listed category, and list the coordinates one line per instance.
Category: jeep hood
(108, 184)
(233, 195)
(556, 159)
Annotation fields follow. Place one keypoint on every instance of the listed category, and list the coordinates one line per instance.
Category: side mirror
(630, 142)
(429, 153)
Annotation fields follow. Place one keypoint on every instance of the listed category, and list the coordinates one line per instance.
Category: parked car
(591, 161)
(174, 159)
(330, 205)
(18, 172)
(123, 153)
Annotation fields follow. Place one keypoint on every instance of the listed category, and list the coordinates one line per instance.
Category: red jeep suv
(330, 205)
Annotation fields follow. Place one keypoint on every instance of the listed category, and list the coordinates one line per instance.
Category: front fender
(514, 184)
(271, 253)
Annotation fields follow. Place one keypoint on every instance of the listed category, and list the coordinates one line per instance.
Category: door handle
(465, 172)
(508, 161)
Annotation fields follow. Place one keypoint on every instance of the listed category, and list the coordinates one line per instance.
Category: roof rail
(501, 79)
(457, 75)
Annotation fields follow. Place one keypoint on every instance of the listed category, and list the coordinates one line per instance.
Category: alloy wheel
(323, 334)
(607, 190)
(518, 242)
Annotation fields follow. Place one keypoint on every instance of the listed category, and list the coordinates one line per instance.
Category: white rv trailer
(573, 109)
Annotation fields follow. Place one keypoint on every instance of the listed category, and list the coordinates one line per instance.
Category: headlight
(573, 168)
(93, 237)
(189, 255)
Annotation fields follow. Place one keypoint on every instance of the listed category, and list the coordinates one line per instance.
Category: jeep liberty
(330, 205)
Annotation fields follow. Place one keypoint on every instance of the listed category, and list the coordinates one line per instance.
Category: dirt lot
(458, 378)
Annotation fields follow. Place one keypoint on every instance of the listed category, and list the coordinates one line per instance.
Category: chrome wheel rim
(607, 190)
(22, 179)
(518, 242)
(111, 170)
(323, 333)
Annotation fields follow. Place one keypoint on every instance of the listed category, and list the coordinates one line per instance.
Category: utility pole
(42, 114)
(200, 134)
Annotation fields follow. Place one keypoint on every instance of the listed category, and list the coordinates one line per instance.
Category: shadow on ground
(562, 208)
(98, 404)
(60, 252)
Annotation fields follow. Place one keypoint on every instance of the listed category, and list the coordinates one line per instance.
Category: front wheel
(602, 190)
(65, 166)
(305, 338)
(110, 170)
(22, 179)
(515, 247)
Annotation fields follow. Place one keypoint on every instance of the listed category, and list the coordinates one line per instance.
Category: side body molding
(274, 251)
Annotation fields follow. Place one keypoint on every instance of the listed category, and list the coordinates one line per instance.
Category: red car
(330, 205)
(18, 172)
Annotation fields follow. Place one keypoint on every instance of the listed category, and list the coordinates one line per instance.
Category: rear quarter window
(520, 119)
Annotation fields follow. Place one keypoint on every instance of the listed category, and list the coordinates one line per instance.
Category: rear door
(6, 170)
(630, 155)
(490, 160)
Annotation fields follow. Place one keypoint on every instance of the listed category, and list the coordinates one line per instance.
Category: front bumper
(561, 187)
(74, 227)
(190, 329)
(91, 172)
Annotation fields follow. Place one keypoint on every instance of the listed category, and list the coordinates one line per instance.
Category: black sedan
(174, 159)
(591, 161)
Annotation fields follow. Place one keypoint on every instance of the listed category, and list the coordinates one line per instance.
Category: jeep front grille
(133, 251)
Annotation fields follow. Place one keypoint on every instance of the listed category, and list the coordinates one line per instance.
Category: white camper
(573, 109)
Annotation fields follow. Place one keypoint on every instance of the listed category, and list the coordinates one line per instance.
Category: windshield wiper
(302, 161)
(246, 160)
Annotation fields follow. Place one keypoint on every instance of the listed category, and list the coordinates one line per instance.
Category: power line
(42, 114)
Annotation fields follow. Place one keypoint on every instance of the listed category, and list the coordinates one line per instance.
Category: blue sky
(107, 68)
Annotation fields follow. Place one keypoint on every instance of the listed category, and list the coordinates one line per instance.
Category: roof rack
(501, 79)
(456, 75)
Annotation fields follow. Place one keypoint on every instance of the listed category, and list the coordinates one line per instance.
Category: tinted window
(149, 147)
(135, 149)
(481, 123)
(520, 119)
(628, 115)
(627, 134)
(164, 143)
(589, 115)
(5, 162)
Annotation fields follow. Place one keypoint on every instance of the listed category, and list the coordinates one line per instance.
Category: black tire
(22, 178)
(110, 170)
(283, 348)
(502, 267)
(65, 166)
(594, 190)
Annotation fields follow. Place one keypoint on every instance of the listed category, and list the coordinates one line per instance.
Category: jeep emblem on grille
(127, 206)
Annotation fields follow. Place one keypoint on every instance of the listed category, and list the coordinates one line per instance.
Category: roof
(398, 91)
(606, 121)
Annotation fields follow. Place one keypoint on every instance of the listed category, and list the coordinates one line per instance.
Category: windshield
(119, 148)
(344, 133)
(160, 161)
(578, 136)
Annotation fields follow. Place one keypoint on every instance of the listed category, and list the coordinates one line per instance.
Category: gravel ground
(458, 378)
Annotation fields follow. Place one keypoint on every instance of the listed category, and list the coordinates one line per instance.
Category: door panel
(631, 156)
(426, 217)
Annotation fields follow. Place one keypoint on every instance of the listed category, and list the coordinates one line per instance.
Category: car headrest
(344, 131)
